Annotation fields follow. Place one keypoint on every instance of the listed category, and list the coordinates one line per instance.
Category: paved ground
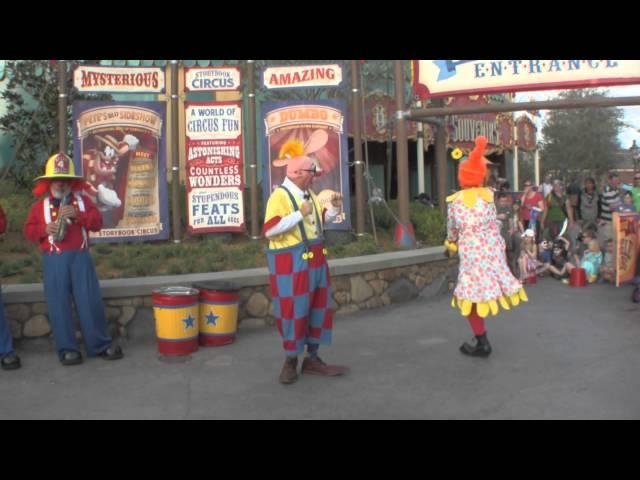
(568, 353)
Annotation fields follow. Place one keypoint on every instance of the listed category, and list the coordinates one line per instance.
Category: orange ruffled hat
(473, 170)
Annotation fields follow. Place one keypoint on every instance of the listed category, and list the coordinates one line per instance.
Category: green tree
(31, 119)
(581, 140)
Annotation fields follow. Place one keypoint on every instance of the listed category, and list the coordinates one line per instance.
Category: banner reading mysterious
(284, 121)
(214, 167)
(119, 148)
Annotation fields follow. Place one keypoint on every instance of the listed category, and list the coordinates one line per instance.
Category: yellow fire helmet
(59, 167)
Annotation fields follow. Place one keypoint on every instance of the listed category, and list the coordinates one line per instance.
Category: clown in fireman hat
(59, 167)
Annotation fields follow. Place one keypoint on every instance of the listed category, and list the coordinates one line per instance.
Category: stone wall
(368, 286)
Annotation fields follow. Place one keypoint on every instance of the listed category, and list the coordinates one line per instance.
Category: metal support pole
(420, 146)
(253, 154)
(441, 164)
(62, 106)
(404, 232)
(175, 177)
(357, 147)
(424, 113)
(516, 172)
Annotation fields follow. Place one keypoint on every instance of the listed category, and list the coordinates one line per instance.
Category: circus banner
(119, 148)
(433, 78)
(626, 235)
(302, 76)
(214, 167)
(284, 121)
(212, 79)
(118, 79)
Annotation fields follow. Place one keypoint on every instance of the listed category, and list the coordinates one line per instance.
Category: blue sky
(631, 114)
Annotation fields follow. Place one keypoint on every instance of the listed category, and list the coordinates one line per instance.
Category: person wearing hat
(59, 223)
(9, 360)
(484, 280)
(298, 269)
(635, 191)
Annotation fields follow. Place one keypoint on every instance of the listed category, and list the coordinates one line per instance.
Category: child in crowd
(608, 267)
(528, 261)
(545, 250)
(515, 235)
(591, 262)
(627, 203)
(559, 258)
(582, 245)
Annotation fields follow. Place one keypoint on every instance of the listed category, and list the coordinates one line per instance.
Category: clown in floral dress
(485, 283)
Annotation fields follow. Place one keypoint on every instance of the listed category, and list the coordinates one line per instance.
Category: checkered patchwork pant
(301, 296)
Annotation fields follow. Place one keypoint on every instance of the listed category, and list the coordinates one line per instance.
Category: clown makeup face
(60, 188)
(306, 178)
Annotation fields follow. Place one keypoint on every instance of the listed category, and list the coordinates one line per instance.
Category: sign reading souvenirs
(118, 79)
(285, 121)
(433, 78)
(463, 129)
(302, 76)
(212, 79)
(214, 167)
(119, 148)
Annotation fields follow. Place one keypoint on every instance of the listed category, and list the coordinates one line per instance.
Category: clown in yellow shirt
(298, 269)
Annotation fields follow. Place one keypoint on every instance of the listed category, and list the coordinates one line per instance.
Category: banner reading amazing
(214, 167)
(119, 148)
(284, 121)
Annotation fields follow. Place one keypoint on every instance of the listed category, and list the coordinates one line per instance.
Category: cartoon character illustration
(102, 170)
(317, 148)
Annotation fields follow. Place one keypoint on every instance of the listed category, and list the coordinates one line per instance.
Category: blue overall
(301, 292)
(6, 340)
(71, 275)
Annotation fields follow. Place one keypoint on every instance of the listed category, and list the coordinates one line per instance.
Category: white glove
(108, 197)
(131, 141)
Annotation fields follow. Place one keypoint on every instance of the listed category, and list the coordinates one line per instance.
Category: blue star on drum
(212, 318)
(188, 322)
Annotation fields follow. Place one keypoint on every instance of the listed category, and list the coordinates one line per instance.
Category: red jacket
(3, 221)
(34, 228)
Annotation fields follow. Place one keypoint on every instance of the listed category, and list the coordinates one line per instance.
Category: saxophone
(62, 222)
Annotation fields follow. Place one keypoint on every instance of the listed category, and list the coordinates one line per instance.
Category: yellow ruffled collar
(470, 196)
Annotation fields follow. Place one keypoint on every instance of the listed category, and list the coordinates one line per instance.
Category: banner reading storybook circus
(214, 167)
(284, 121)
(119, 148)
